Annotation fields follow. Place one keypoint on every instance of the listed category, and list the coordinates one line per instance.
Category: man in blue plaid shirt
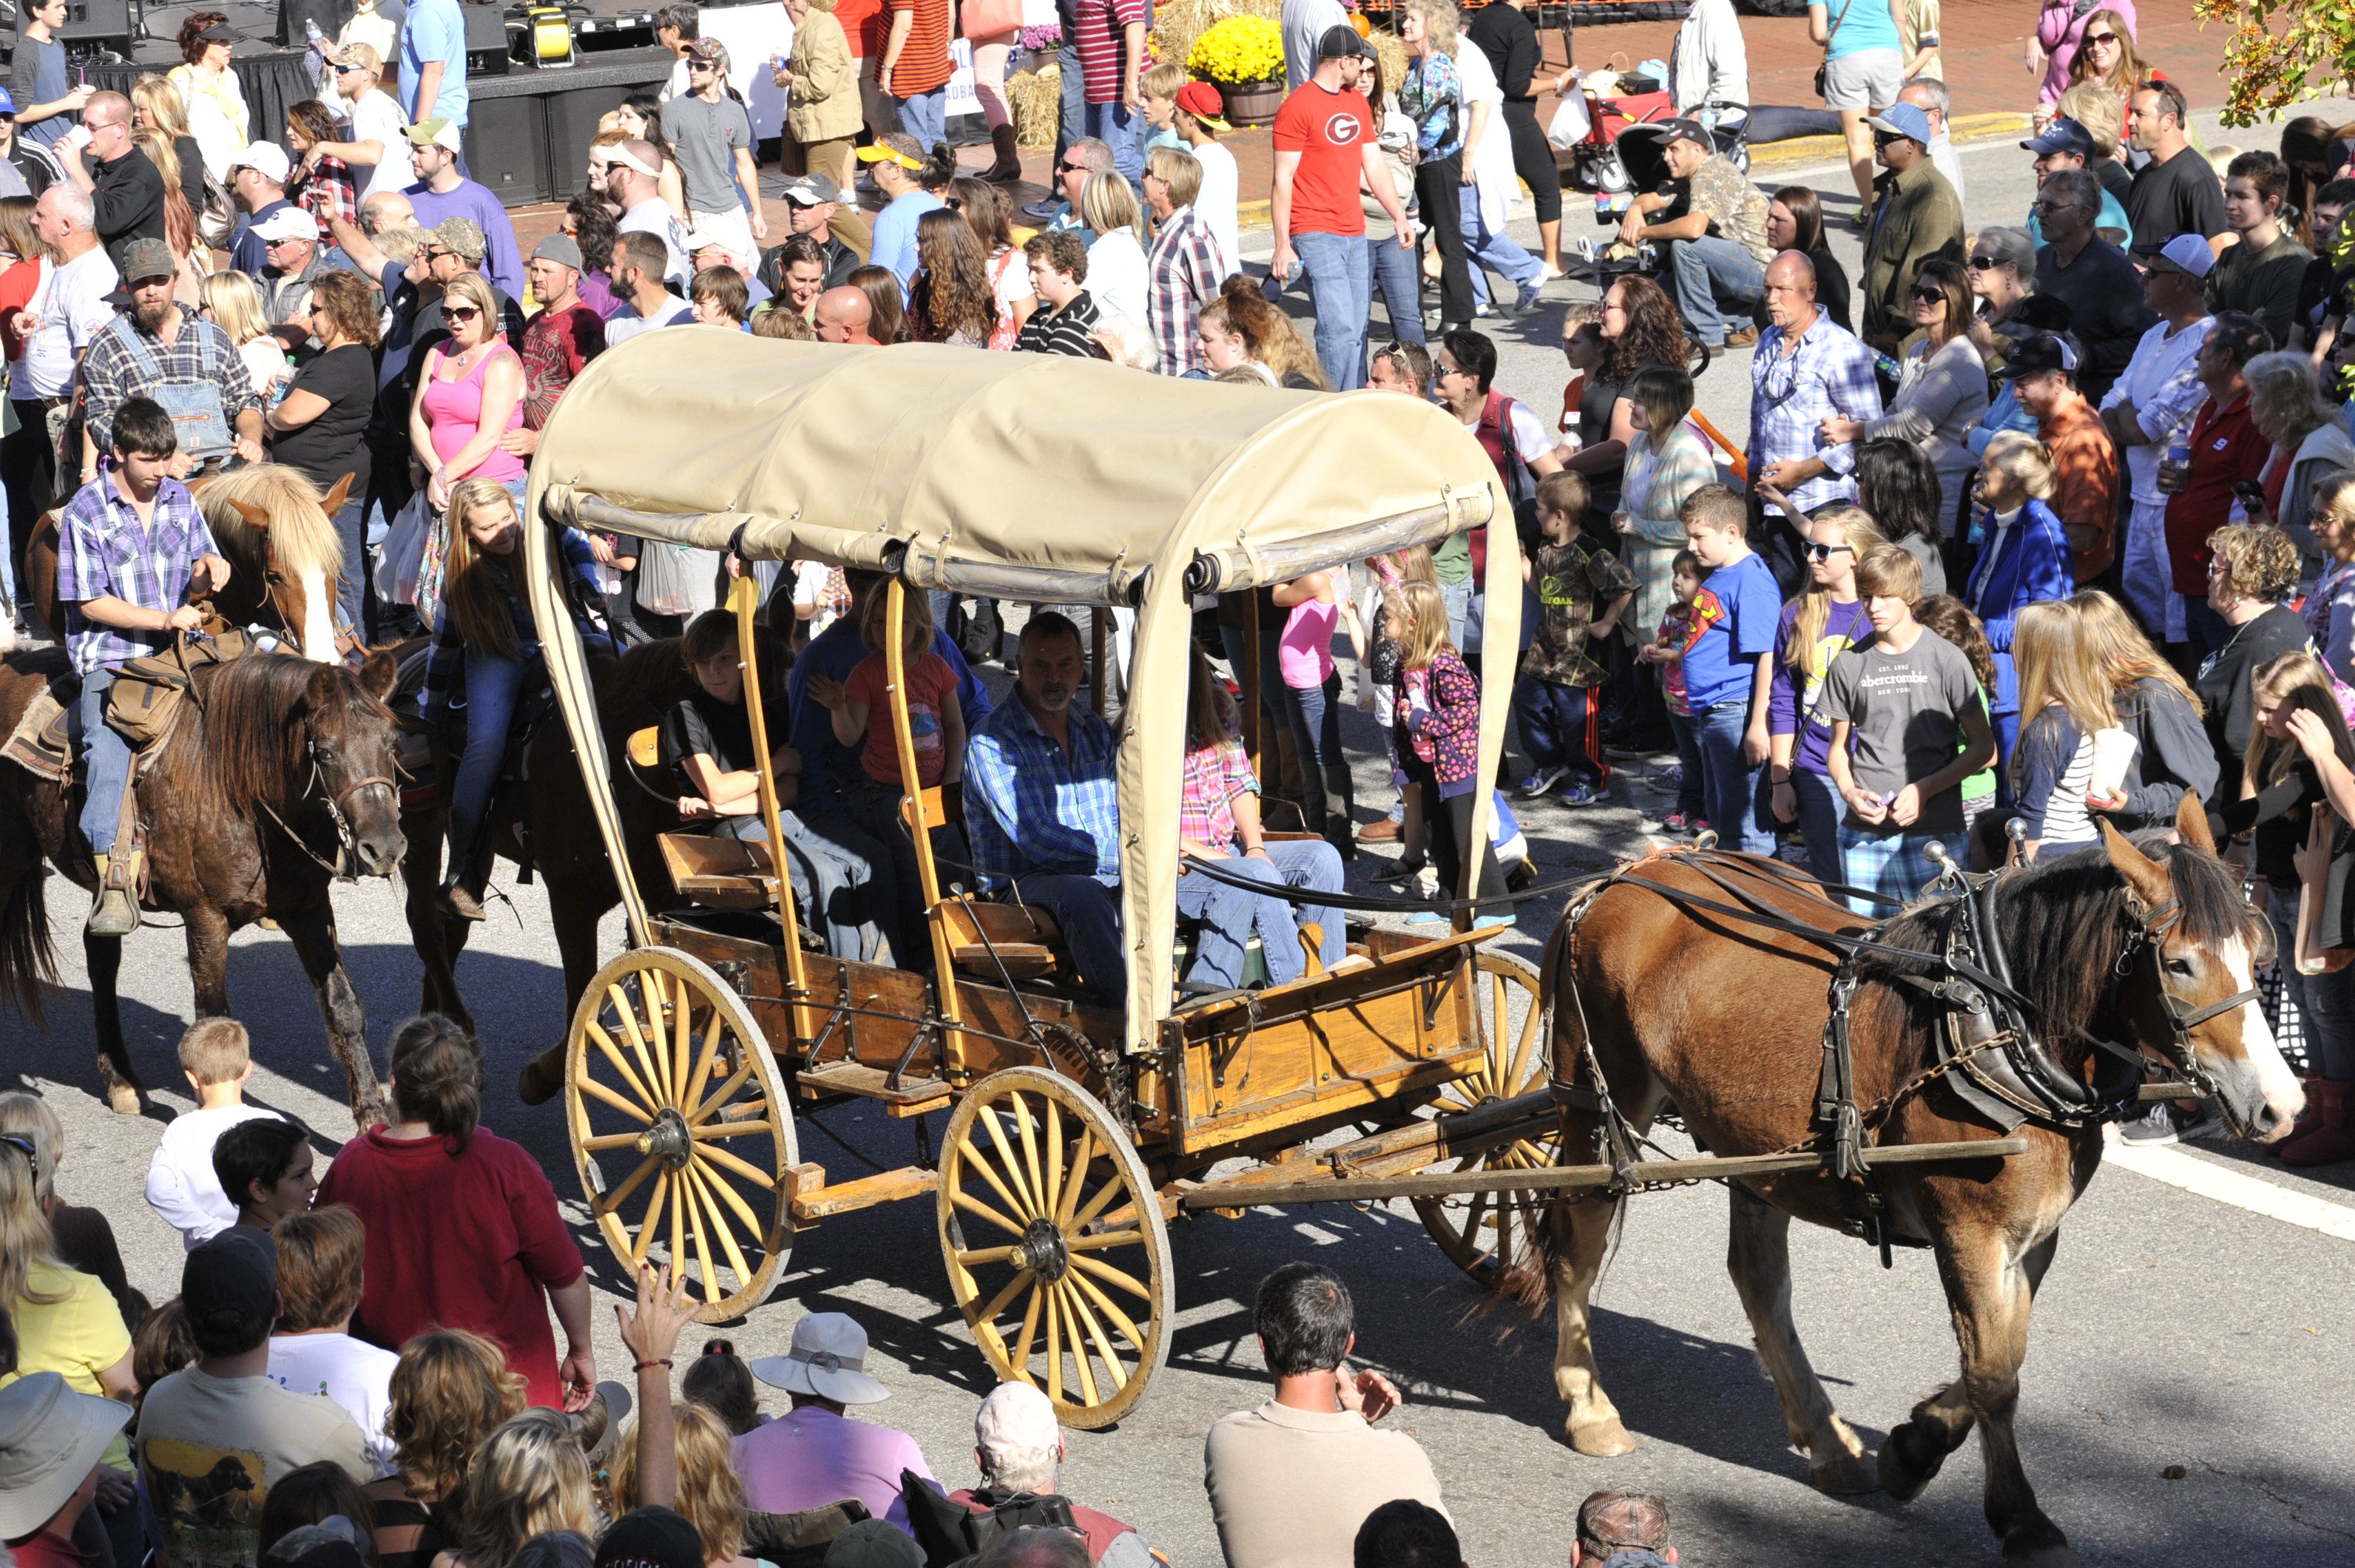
(1806, 370)
(1042, 803)
(131, 546)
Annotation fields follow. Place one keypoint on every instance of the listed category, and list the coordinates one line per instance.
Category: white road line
(2209, 1181)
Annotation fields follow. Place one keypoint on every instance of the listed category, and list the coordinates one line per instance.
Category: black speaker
(487, 40)
(573, 119)
(92, 25)
(506, 149)
(331, 15)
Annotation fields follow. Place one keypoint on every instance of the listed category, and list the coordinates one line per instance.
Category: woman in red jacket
(462, 1227)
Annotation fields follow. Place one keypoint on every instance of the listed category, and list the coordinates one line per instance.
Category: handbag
(1829, 34)
(2314, 956)
(989, 18)
(402, 553)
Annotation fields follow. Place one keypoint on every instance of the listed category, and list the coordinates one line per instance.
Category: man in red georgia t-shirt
(2227, 450)
(1324, 141)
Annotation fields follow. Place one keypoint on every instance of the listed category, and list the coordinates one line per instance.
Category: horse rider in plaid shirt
(1806, 370)
(1042, 803)
(131, 546)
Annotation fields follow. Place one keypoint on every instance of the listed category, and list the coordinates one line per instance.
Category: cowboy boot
(1007, 169)
(115, 911)
(462, 892)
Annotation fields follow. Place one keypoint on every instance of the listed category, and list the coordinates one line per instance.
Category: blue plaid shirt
(102, 552)
(1829, 373)
(1030, 805)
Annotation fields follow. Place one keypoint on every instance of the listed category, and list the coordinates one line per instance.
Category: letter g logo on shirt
(1341, 129)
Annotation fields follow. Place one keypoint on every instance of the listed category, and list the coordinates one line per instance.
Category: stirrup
(457, 902)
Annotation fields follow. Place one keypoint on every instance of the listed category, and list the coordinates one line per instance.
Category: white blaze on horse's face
(318, 616)
(2283, 1096)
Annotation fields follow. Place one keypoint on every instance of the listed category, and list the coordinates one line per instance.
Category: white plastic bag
(1570, 124)
(404, 548)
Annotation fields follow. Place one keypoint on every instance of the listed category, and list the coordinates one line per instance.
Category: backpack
(951, 1532)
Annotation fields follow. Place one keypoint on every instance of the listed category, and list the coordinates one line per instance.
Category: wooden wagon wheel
(680, 1128)
(1055, 1250)
(1486, 1233)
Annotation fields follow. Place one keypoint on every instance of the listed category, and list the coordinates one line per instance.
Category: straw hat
(49, 1438)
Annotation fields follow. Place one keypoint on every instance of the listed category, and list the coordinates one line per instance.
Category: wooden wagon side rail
(1353, 1190)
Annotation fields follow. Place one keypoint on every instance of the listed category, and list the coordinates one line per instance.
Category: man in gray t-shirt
(711, 135)
(1909, 724)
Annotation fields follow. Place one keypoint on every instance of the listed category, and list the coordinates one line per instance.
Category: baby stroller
(1635, 148)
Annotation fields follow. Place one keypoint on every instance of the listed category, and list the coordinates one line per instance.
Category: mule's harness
(1985, 1039)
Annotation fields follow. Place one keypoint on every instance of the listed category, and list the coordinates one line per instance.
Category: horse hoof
(1601, 1439)
(1907, 1466)
(123, 1100)
(541, 1078)
(1849, 1474)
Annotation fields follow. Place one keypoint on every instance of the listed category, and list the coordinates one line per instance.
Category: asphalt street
(2177, 1335)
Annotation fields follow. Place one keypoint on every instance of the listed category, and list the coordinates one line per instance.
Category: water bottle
(2175, 465)
(311, 31)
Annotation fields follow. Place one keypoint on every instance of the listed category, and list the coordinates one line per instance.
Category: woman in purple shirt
(1816, 627)
(816, 1454)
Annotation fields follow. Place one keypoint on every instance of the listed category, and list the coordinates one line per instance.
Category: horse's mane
(301, 536)
(248, 749)
(2064, 926)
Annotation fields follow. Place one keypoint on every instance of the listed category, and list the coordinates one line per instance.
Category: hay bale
(1035, 100)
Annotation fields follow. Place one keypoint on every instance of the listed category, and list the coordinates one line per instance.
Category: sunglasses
(2093, 38)
(1982, 264)
(1822, 552)
(463, 312)
(348, 70)
(437, 255)
(23, 1145)
(1928, 291)
(1071, 169)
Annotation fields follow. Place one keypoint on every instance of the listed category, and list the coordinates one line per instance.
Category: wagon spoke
(682, 1035)
(1525, 1043)
(1109, 1239)
(733, 1130)
(1054, 1345)
(659, 1090)
(710, 1058)
(1077, 1181)
(1026, 1130)
(1051, 1197)
(1078, 1344)
(606, 1202)
(718, 1097)
(688, 1195)
(654, 1217)
(975, 1207)
(718, 1221)
(978, 1163)
(1013, 1287)
(713, 1182)
(1096, 1205)
(1111, 1275)
(1021, 1360)
(604, 1042)
(595, 1090)
(1120, 1320)
(726, 1161)
(654, 993)
(1008, 1164)
(1102, 1342)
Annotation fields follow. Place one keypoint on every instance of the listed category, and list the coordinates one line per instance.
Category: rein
(347, 840)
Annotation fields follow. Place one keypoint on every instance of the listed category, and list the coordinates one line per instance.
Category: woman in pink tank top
(1312, 698)
(469, 396)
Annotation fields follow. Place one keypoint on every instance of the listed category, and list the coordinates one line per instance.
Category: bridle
(346, 839)
(2141, 952)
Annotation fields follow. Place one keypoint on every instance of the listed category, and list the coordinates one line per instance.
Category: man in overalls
(131, 546)
(154, 349)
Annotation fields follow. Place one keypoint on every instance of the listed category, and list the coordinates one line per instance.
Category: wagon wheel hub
(668, 1139)
(1041, 1251)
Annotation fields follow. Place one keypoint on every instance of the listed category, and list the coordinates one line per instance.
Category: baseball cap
(267, 159)
(894, 146)
(1016, 1415)
(2185, 253)
(1340, 42)
(873, 1544)
(707, 49)
(700, 238)
(562, 248)
(362, 55)
(463, 235)
(655, 1537)
(1685, 130)
(7, 104)
(2038, 354)
(221, 33)
(236, 1273)
(144, 258)
(436, 132)
(1201, 100)
(49, 1438)
(2064, 135)
(287, 223)
(811, 190)
(1903, 120)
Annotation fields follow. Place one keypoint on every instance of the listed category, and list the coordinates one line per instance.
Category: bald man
(126, 191)
(844, 316)
(384, 213)
(631, 175)
(1806, 370)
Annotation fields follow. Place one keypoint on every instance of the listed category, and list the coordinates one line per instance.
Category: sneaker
(1585, 794)
(1528, 296)
(1043, 209)
(1676, 822)
(1742, 337)
(1668, 780)
(1493, 922)
(1427, 920)
(2153, 1129)
(1544, 778)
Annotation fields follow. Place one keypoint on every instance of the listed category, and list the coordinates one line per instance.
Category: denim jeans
(1493, 250)
(1691, 800)
(107, 756)
(1314, 714)
(1457, 597)
(352, 583)
(493, 684)
(1730, 784)
(1088, 912)
(1341, 290)
(1709, 270)
(836, 873)
(1818, 822)
(1113, 124)
(1229, 914)
(1071, 124)
(1391, 273)
(924, 116)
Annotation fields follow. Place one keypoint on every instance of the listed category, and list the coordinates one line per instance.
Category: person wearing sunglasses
(1942, 387)
(2066, 145)
(2106, 57)
(2176, 192)
(372, 125)
(1916, 216)
(711, 134)
(2053, 45)
(1073, 166)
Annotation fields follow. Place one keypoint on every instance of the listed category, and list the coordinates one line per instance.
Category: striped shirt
(1183, 274)
(104, 553)
(1102, 45)
(923, 64)
(1063, 331)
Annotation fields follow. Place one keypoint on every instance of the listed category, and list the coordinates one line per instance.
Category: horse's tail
(28, 963)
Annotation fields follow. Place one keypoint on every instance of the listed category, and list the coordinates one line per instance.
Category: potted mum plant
(1244, 56)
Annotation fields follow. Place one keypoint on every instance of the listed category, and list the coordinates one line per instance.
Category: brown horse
(278, 535)
(549, 819)
(1724, 1019)
(278, 769)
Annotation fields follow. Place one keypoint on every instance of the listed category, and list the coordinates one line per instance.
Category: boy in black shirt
(1582, 592)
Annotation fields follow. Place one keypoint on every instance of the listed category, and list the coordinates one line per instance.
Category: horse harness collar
(1985, 1039)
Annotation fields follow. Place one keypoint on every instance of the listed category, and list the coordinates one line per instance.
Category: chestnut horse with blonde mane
(2145, 944)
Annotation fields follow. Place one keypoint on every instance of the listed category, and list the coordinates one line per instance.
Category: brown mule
(566, 848)
(278, 767)
(1724, 1021)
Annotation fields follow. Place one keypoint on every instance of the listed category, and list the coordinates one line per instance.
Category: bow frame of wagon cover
(1075, 1132)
